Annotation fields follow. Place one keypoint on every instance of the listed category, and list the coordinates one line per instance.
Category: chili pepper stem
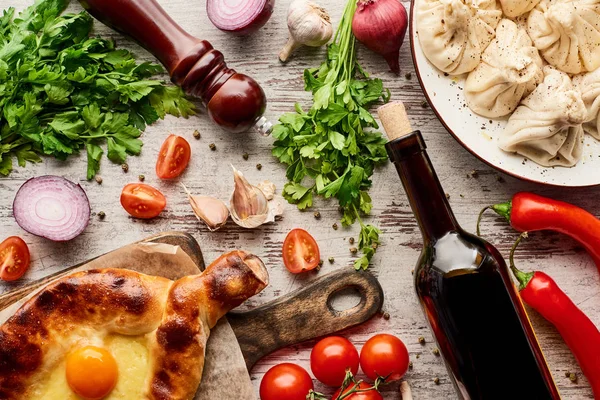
(523, 277)
(502, 209)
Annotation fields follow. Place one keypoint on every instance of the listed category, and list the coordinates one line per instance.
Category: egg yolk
(91, 372)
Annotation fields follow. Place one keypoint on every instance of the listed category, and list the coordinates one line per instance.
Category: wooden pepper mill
(234, 101)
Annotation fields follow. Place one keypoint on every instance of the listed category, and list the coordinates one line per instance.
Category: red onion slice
(52, 207)
(241, 17)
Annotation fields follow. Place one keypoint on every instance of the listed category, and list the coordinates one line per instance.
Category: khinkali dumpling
(515, 8)
(589, 86)
(547, 126)
(510, 69)
(567, 33)
(454, 33)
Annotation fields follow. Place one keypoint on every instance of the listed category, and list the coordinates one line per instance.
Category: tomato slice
(173, 157)
(14, 258)
(300, 251)
(142, 201)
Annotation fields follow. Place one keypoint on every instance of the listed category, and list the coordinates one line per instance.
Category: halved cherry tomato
(142, 201)
(14, 258)
(285, 381)
(386, 356)
(300, 251)
(331, 357)
(173, 157)
(368, 395)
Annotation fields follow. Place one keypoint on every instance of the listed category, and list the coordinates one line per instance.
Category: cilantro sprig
(332, 149)
(62, 91)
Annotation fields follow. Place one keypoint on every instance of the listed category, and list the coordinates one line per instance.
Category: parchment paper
(225, 375)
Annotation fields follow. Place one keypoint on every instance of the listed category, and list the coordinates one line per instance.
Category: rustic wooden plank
(209, 173)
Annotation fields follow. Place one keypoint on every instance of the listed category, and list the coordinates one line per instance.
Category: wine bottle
(464, 287)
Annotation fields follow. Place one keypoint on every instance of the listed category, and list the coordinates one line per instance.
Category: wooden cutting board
(299, 316)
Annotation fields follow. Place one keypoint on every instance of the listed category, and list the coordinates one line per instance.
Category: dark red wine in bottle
(464, 287)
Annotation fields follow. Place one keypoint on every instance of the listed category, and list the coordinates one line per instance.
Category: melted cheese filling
(131, 354)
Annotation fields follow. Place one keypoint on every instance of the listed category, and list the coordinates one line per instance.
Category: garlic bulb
(309, 25)
(213, 212)
(249, 205)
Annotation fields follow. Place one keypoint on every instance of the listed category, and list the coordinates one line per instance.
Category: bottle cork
(394, 119)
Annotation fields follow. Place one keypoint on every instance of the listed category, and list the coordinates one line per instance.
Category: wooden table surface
(210, 173)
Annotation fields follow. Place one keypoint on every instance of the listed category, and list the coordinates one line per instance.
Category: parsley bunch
(62, 91)
(332, 146)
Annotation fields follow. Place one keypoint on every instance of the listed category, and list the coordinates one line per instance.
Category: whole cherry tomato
(368, 395)
(285, 381)
(142, 201)
(386, 356)
(173, 157)
(14, 258)
(300, 251)
(331, 357)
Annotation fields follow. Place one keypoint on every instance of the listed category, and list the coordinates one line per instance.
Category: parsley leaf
(62, 91)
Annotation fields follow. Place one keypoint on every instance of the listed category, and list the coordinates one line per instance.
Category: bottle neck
(425, 194)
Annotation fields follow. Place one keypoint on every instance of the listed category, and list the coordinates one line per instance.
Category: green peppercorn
(410, 365)
(259, 166)
(436, 381)
(335, 227)
(246, 156)
(196, 134)
(386, 316)
(567, 374)
(101, 215)
(353, 250)
(212, 146)
(436, 352)
(573, 377)
(331, 260)
(125, 167)
(422, 340)
(408, 76)
(351, 240)
(98, 179)
(317, 215)
(142, 178)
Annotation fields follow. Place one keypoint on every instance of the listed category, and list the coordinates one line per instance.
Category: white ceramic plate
(480, 137)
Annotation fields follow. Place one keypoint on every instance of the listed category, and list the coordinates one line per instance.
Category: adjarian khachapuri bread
(567, 33)
(454, 33)
(547, 126)
(510, 69)
(144, 336)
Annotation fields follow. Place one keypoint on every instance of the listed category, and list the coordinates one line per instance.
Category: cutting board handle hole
(346, 300)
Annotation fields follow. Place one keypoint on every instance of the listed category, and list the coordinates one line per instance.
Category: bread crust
(176, 317)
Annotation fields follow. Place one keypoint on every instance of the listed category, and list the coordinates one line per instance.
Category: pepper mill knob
(234, 101)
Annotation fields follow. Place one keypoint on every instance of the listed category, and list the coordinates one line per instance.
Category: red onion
(381, 26)
(52, 207)
(241, 17)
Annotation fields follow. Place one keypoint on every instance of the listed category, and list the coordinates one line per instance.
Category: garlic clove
(209, 210)
(248, 204)
(268, 188)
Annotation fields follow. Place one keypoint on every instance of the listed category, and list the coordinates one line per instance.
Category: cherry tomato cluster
(144, 201)
(334, 361)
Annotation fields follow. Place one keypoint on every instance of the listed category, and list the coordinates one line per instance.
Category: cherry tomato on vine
(14, 258)
(300, 251)
(285, 381)
(386, 356)
(142, 201)
(369, 395)
(173, 157)
(331, 357)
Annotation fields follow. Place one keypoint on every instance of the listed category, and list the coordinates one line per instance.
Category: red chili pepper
(528, 212)
(542, 293)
